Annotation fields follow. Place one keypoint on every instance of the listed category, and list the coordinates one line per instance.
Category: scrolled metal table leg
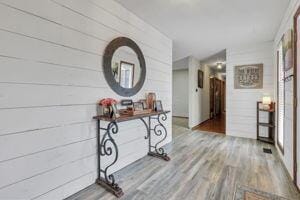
(106, 147)
(161, 131)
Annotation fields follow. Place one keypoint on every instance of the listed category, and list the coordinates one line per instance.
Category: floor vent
(267, 150)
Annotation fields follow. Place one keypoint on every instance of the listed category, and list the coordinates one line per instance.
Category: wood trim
(281, 148)
(295, 99)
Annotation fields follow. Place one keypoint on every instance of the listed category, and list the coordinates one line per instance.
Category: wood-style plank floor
(180, 126)
(217, 125)
(203, 166)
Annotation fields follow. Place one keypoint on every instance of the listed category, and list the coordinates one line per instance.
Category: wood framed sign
(248, 76)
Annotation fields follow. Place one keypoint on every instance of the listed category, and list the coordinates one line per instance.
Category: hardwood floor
(203, 166)
(217, 125)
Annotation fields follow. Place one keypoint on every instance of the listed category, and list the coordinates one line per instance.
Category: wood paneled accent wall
(50, 81)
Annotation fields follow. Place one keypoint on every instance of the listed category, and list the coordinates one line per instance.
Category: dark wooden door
(211, 97)
(218, 89)
(223, 96)
(215, 97)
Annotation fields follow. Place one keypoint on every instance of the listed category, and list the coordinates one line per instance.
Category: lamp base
(266, 107)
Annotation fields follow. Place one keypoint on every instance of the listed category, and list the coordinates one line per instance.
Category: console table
(107, 145)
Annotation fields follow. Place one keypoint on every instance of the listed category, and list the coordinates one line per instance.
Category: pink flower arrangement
(107, 102)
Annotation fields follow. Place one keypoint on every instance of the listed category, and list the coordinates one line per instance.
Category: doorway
(217, 102)
(217, 97)
(180, 102)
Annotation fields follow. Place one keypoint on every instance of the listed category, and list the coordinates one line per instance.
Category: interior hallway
(216, 125)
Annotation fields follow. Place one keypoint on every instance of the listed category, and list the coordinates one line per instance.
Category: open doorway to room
(199, 94)
(216, 121)
(180, 105)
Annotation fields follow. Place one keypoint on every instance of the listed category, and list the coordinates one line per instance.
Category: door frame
(295, 168)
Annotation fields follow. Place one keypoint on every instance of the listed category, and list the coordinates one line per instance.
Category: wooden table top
(123, 118)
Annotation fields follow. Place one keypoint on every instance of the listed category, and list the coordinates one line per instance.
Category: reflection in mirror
(126, 67)
(126, 74)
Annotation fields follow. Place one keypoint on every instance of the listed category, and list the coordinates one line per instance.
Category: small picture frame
(115, 112)
(126, 102)
(144, 102)
(151, 97)
(138, 106)
(158, 106)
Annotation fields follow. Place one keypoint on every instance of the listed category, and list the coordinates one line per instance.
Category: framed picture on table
(144, 102)
(158, 106)
(138, 106)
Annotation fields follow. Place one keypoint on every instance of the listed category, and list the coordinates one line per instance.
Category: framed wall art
(248, 76)
(200, 79)
(287, 50)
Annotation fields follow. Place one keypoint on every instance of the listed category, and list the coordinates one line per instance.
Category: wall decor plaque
(248, 76)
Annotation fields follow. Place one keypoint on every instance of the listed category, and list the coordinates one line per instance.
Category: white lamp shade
(266, 100)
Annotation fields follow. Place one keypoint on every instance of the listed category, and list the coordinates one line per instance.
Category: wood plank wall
(50, 81)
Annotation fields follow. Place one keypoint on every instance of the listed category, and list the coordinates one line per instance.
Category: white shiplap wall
(194, 93)
(50, 81)
(241, 103)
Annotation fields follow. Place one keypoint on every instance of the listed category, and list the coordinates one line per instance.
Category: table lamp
(266, 102)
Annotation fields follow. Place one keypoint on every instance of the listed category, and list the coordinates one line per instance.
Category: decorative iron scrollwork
(160, 131)
(107, 148)
(147, 127)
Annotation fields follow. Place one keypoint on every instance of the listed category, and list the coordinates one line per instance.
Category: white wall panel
(51, 79)
(241, 104)
(180, 93)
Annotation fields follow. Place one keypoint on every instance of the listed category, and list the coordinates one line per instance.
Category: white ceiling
(219, 57)
(204, 27)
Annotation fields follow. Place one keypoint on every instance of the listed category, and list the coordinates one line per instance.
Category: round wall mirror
(124, 66)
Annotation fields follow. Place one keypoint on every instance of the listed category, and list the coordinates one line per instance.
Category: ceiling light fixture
(219, 65)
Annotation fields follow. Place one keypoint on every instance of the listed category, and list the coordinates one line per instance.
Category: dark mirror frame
(107, 58)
